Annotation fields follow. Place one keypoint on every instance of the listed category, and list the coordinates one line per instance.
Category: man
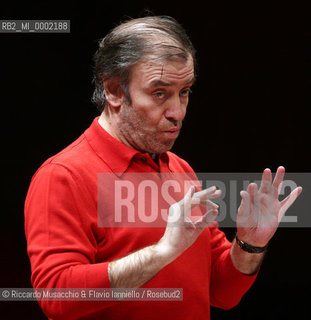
(144, 69)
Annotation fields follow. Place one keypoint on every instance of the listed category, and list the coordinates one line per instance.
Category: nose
(176, 109)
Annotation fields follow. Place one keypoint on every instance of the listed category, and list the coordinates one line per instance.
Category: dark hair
(131, 41)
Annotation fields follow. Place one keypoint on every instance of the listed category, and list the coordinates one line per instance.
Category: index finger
(208, 193)
(202, 197)
(278, 179)
(266, 180)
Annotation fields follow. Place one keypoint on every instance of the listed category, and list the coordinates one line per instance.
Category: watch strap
(249, 248)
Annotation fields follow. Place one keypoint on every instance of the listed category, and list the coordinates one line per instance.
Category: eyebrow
(157, 83)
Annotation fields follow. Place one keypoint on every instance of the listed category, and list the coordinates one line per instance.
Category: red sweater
(67, 248)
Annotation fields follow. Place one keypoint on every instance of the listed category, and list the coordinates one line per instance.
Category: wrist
(245, 262)
(249, 247)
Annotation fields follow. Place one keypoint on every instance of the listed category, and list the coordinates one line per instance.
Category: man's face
(159, 91)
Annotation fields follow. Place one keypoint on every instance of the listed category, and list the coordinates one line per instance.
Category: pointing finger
(202, 197)
(278, 179)
(206, 193)
(266, 181)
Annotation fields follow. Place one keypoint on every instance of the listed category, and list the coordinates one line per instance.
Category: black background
(249, 110)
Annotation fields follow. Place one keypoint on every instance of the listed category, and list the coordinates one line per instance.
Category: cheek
(148, 112)
(153, 120)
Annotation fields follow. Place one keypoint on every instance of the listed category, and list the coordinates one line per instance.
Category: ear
(113, 92)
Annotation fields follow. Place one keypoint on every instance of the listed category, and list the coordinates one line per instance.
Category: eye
(185, 92)
(159, 94)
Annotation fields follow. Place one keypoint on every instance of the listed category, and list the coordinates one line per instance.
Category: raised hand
(261, 211)
(181, 232)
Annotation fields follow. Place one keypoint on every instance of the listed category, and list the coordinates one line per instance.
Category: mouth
(172, 133)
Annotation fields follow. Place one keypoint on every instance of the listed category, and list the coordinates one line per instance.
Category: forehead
(153, 72)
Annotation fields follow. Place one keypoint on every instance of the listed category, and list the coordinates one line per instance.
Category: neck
(106, 123)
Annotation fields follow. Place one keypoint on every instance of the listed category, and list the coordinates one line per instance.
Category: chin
(163, 148)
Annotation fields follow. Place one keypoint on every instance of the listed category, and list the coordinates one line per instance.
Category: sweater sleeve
(227, 285)
(60, 242)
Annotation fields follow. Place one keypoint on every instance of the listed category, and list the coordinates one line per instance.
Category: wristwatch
(249, 248)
